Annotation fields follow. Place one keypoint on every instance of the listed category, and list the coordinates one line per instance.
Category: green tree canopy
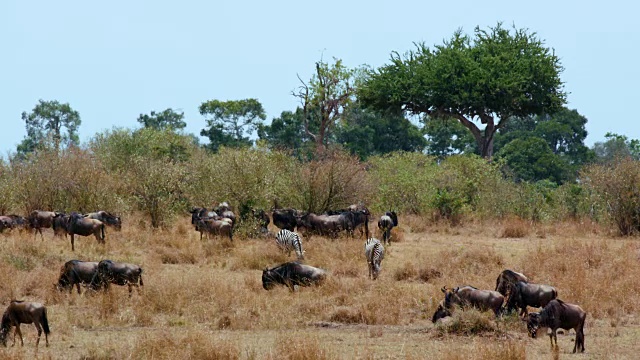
(287, 133)
(531, 159)
(365, 132)
(45, 124)
(490, 78)
(446, 137)
(616, 147)
(166, 119)
(230, 123)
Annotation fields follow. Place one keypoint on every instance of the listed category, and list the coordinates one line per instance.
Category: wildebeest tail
(45, 321)
(140, 276)
(102, 229)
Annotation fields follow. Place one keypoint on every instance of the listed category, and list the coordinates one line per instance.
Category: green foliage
(287, 133)
(494, 76)
(615, 190)
(325, 99)
(167, 119)
(365, 132)
(531, 159)
(230, 123)
(615, 147)
(447, 137)
(44, 126)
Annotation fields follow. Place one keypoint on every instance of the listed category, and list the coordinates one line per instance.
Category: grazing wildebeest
(24, 312)
(80, 225)
(357, 219)
(292, 274)
(215, 226)
(506, 279)
(387, 222)
(5, 223)
(468, 296)
(285, 218)
(110, 272)
(441, 312)
(76, 272)
(524, 294)
(374, 252)
(107, 218)
(19, 222)
(41, 219)
(559, 315)
(60, 224)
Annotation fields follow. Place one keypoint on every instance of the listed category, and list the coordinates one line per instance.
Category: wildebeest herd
(513, 292)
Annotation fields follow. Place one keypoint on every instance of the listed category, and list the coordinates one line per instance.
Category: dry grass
(204, 299)
(515, 227)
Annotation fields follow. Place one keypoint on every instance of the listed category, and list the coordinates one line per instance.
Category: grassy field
(204, 299)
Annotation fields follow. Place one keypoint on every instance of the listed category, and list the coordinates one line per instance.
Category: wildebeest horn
(444, 289)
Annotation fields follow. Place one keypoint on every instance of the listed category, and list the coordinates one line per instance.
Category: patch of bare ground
(204, 299)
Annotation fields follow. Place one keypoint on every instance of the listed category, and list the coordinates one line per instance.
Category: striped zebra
(290, 241)
(387, 222)
(374, 252)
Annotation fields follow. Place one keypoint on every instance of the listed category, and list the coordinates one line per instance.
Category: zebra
(387, 221)
(374, 252)
(290, 241)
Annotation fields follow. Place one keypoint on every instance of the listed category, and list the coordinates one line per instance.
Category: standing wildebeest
(357, 219)
(107, 218)
(506, 279)
(225, 211)
(76, 272)
(559, 315)
(5, 223)
(24, 312)
(41, 219)
(292, 274)
(328, 225)
(524, 294)
(83, 226)
(199, 213)
(468, 296)
(262, 218)
(387, 222)
(285, 218)
(374, 252)
(60, 224)
(110, 272)
(215, 226)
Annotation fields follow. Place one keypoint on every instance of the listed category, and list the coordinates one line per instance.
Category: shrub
(468, 322)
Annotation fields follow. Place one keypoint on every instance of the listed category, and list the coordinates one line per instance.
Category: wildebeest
(292, 274)
(441, 312)
(39, 219)
(215, 226)
(224, 210)
(83, 226)
(76, 272)
(285, 218)
(200, 212)
(468, 296)
(387, 222)
(559, 315)
(5, 223)
(107, 218)
(328, 225)
(110, 272)
(60, 225)
(524, 294)
(374, 252)
(358, 219)
(506, 279)
(262, 218)
(18, 222)
(24, 312)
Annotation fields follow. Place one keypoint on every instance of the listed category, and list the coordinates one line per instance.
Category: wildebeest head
(268, 281)
(441, 312)
(451, 297)
(533, 323)
(3, 336)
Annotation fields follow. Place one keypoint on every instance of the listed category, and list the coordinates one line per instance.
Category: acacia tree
(167, 119)
(230, 123)
(324, 100)
(45, 123)
(496, 75)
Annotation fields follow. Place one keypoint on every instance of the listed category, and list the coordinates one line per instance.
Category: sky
(114, 60)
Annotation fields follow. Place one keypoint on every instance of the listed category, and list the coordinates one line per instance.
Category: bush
(468, 322)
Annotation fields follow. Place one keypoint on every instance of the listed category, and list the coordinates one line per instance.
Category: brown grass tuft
(468, 322)
(515, 227)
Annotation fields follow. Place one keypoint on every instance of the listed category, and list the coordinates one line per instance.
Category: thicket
(161, 174)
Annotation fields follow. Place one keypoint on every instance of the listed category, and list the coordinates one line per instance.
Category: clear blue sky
(117, 59)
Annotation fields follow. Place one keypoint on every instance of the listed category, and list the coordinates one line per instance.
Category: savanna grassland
(204, 299)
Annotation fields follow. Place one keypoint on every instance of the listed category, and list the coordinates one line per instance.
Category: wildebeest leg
(39, 329)
(72, 241)
(19, 333)
(130, 289)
